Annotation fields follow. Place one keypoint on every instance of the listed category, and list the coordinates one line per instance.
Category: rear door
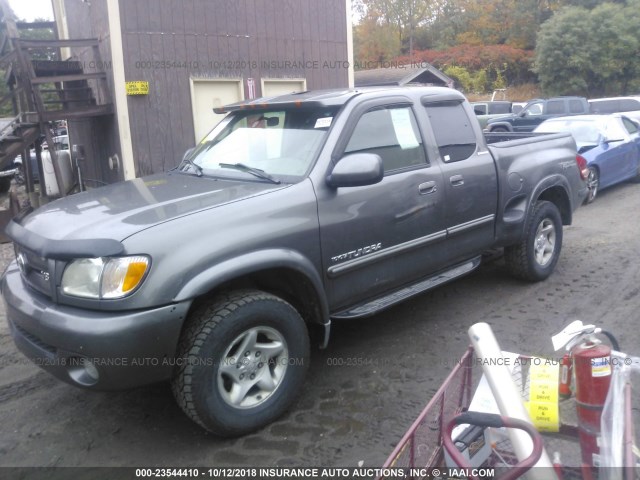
(470, 181)
(376, 238)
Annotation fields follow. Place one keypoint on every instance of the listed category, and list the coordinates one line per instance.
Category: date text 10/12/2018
(251, 473)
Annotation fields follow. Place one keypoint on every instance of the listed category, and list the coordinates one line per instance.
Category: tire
(229, 392)
(499, 130)
(535, 257)
(593, 184)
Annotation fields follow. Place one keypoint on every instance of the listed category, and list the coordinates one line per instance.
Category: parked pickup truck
(491, 109)
(291, 214)
(537, 111)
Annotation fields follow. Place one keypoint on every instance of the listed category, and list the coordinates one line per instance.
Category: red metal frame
(454, 397)
(409, 438)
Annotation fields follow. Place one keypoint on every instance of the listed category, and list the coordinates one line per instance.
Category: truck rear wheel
(242, 361)
(535, 257)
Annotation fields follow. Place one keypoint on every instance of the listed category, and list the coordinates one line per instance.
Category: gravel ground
(364, 391)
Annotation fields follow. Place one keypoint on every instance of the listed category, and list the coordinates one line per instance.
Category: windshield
(280, 143)
(585, 132)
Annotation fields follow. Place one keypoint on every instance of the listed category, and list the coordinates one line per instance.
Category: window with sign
(392, 133)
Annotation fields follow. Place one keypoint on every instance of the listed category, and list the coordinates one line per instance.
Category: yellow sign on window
(138, 87)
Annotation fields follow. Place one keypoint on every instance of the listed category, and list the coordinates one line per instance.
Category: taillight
(582, 167)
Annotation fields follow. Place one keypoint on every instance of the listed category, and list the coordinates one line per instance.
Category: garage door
(209, 94)
(273, 87)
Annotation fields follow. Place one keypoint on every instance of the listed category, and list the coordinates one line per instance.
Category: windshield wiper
(253, 171)
(197, 167)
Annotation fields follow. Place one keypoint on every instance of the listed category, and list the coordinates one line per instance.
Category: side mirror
(272, 121)
(356, 170)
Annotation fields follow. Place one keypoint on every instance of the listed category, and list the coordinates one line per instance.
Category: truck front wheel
(535, 257)
(241, 362)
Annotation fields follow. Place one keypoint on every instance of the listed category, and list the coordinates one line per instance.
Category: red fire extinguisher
(591, 362)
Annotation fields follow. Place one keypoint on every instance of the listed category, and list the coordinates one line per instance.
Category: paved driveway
(362, 392)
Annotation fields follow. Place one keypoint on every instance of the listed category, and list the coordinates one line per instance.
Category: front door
(376, 238)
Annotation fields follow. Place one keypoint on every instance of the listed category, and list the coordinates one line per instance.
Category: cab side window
(576, 106)
(533, 110)
(555, 107)
(453, 130)
(629, 105)
(630, 126)
(392, 133)
(480, 109)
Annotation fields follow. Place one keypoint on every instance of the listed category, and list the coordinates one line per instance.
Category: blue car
(609, 143)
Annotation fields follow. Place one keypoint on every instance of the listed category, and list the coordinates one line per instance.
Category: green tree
(616, 55)
(447, 19)
(590, 52)
(6, 108)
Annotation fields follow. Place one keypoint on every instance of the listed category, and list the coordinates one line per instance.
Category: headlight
(104, 277)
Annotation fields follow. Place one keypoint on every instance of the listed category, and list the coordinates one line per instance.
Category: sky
(31, 9)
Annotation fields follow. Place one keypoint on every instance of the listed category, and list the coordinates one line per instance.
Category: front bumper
(93, 349)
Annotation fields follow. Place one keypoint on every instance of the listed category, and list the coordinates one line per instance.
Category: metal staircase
(43, 89)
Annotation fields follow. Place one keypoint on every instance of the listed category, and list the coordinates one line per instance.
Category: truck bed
(497, 137)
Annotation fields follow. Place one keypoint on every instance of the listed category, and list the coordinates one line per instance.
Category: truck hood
(119, 210)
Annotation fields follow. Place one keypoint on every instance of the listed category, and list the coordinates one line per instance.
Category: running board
(377, 305)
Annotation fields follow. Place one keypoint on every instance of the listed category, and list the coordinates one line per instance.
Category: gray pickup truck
(292, 213)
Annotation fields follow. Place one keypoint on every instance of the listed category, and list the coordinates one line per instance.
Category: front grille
(35, 270)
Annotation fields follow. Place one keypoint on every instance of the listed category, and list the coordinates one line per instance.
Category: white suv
(630, 106)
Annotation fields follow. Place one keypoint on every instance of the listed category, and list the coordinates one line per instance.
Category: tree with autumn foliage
(375, 42)
(580, 46)
(478, 68)
(403, 17)
(491, 40)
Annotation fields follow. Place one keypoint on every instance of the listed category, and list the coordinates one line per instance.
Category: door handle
(456, 180)
(427, 188)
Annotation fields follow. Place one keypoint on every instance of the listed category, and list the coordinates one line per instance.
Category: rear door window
(452, 128)
(555, 107)
(501, 108)
(605, 106)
